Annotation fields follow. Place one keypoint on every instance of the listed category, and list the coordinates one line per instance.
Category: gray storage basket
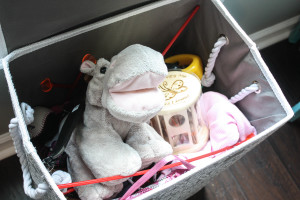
(153, 25)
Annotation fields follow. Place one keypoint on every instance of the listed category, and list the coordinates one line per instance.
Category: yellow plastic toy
(192, 61)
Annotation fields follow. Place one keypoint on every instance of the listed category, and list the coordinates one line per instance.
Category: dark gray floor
(270, 171)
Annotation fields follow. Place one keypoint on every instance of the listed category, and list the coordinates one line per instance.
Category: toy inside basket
(238, 65)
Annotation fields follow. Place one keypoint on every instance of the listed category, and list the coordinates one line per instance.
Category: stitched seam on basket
(268, 75)
(262, 118)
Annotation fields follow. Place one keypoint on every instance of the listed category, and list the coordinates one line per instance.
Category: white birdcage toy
(177, 122)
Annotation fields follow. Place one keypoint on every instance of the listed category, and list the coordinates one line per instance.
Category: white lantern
(177, 122)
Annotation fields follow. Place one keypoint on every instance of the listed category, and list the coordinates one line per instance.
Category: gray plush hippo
(115, 138)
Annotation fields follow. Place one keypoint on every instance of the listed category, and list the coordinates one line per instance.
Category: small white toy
(177, 122)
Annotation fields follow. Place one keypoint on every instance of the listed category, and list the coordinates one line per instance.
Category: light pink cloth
(227, 124)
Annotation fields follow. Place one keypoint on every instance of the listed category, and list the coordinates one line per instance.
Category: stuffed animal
(115, 138)
(226, 123)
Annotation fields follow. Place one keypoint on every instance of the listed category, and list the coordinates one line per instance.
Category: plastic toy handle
(193, 62)
(180, 30)
(89, 57)
(47, 85)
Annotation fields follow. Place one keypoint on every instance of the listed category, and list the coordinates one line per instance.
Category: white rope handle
(27, 113)
(245, 92)
(208, 77)
(14, 132)
(59, 177)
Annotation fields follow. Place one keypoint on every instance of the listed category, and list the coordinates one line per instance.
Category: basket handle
(254, 87)
(208, 77)
(59, 176)
(42, 188)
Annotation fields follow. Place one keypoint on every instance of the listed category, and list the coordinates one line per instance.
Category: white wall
(254, 15)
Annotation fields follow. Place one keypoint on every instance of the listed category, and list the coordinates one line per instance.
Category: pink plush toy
(226, 123)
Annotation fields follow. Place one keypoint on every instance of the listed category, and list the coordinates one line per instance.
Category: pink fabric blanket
(227, 124)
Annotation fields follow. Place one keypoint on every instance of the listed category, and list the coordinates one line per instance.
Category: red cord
(73, 86)
(180, 30)
(69, 191)
(100, 180)
(91, 58)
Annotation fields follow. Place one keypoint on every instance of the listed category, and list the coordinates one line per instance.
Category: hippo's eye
(102, 70)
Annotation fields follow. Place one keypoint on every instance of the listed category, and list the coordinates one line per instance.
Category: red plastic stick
(100, 180)
(69, 191)
(73, 86)
(180, 30)
(47, 85)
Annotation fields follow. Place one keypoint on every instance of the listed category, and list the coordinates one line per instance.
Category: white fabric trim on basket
(208, 77)
(245, 92)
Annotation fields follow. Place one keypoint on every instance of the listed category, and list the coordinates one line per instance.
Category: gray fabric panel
(196, 179)
(25, 22)
(37, 178)
(235, 67)
(61, 61)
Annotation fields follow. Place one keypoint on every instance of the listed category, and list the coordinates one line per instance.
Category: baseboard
(274, 34)
(7, 148)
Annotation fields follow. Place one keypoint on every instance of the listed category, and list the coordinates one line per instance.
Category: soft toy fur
(114, 138)
(226, 123)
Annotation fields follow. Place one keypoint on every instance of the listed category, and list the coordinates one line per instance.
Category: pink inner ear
(87, 66)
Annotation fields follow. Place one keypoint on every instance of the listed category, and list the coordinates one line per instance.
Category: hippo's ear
(88, 67)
